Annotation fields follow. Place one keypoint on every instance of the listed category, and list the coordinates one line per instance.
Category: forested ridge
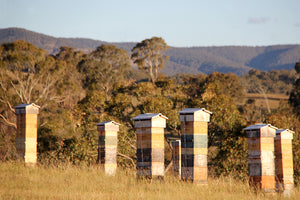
(236, 59)
(77, 90)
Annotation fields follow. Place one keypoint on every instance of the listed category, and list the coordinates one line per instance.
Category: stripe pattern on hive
(284, 160)
(107, 146)
(150, 144)
(26, 140)
(261, 161)
(194, 141)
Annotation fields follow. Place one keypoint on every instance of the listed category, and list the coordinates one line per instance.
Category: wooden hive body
(194, 141)
(261, 156)
(107, 146)
(150, 144)
(284, 160)
(26, 139)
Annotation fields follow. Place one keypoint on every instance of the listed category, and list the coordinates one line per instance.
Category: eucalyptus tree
(30, 75)
(27, 75)
(103, 67)
(148, 55)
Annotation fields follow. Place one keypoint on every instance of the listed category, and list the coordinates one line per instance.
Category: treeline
(272, 82)
(77, 90)
(236, 59)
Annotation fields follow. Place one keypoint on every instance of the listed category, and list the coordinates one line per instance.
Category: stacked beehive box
(26, 140)
(150, 144)
(284, 160)
(176, 154)
(261, 156)
(194, 142)
(107, 146)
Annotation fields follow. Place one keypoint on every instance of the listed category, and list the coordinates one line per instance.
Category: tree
(219, 83)
(147, 54)
(30, 75)
(25, 76)
(70, 83)
(294, 99)
(104, 66)
(231, 158)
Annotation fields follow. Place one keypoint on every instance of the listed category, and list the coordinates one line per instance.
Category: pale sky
(182, 23)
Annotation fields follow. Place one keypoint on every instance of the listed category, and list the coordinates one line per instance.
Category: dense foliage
(77, 90)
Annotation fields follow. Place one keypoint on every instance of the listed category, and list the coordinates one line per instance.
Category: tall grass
(69, 182)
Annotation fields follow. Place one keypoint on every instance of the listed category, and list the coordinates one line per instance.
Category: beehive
(261, 160)
(284, 160)
(176, 156)
(194, 143)
(150, 144)
(107, 146)
(26, 140)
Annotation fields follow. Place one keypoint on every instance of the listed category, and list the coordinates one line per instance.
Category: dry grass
(273, 99)
(270, 96)
(68, 182)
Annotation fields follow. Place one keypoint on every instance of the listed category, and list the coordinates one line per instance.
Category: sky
(181, 23)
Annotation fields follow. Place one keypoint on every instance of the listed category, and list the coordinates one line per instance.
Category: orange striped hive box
(194, 144)
(150, 144)
(107, 146)
(284, 160)
(261, 160)
(26, 140)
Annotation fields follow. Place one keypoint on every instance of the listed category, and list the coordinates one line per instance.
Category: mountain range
(236, 59)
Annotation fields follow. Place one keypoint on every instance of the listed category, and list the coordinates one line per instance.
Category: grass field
(69, 182)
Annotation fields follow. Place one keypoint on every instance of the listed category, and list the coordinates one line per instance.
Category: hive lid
(259, 126)
(108, 122)
(278, 131)
(284, 134)
(148, 116)
(193, 110)
(26, 105)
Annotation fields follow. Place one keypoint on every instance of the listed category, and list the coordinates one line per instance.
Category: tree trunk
(151, 74)
(156, 73)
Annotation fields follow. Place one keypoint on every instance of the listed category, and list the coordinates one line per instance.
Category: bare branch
(48, 85)
(129, 142)
(171, 163)
(129, 158)
(16, 90)
(8, 122)
(169, 166)
(43, 124)
(11, 108)
(169, 144)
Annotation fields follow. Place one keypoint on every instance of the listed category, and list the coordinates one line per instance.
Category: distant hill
(235, 59)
